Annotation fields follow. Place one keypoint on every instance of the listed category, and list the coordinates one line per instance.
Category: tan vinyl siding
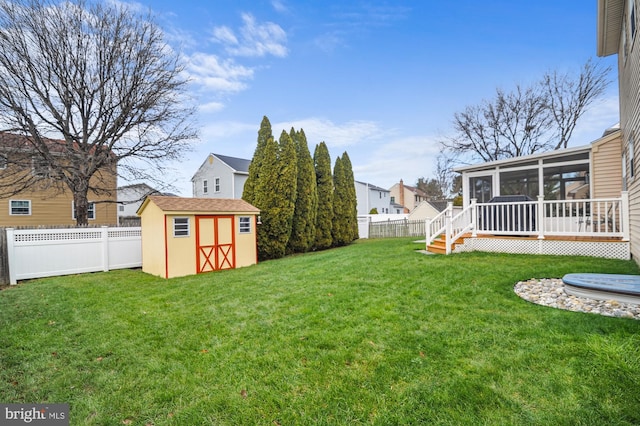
(629, 76)
(607, 167)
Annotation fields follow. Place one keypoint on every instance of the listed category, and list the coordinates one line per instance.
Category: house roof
(525, 158)
(610, 16)
(237, 164)
(439, 205)
(371, 186)
(198, 205)
(415, 190)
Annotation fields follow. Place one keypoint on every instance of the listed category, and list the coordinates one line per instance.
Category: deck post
(624, 211)
(474, 218)
(449, 228)
(540, 217)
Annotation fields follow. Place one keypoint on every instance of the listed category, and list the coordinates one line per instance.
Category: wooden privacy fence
(35, 253)
(397, 228)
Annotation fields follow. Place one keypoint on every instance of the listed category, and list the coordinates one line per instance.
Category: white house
(220, 176)
(369, 197)
(129, 199)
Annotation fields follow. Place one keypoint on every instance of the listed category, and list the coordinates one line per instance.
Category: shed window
(20, 207)
(180, 226)
(245, 224)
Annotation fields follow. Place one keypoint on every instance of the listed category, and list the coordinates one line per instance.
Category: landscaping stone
(550, 292)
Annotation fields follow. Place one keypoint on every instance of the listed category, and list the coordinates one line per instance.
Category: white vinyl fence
(35, 253)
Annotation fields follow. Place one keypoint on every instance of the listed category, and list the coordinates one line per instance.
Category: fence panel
(397, 228)
(36, 253)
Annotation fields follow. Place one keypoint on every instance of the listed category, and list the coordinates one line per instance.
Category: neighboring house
(369, 197)
(220, 176)
(130, 198)
(617, 30)
(407, 196)
(50, 203)
(427, 210)
(184, 236)
(589, 171)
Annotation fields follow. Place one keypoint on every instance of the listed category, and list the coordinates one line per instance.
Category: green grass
(373, 333)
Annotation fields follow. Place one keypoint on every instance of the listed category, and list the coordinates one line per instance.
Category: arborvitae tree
(248, 193)
(275, 192)
(324, 217)
(351, 202)
(303, 231)
(341, 232)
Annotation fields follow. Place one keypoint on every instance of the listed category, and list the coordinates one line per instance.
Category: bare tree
(568, 96)
(530, 119)
(87, 86)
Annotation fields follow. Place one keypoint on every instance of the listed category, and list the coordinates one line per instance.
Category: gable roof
(198, 205)
(415, 190)
(237, 164)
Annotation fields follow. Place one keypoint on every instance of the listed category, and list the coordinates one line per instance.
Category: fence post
(427, 225)
(11, 256)
(626, 232)
(104, 236)
(474, 218)
(540, 217)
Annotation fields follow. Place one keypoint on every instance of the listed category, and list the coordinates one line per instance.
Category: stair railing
(453, 227)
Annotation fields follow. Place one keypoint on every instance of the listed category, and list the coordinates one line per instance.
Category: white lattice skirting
(605, 249)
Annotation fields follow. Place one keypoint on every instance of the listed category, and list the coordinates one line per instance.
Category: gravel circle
(550, 292)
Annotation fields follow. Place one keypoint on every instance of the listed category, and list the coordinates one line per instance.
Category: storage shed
(184, 236)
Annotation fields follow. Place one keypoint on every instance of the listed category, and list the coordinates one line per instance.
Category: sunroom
(574, 194)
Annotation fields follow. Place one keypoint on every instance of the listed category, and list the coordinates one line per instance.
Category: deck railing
(575, 218)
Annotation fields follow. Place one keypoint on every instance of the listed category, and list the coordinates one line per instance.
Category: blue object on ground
(614, 283)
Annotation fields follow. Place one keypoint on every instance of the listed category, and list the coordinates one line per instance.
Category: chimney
(401, 200)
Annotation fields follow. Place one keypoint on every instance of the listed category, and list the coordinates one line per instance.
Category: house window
(632, 19)
(121, 207)
(205, 186)
(20, 207)
(91, 211)
(180, 226)
(245, 224)
(393, 199)
(520, 182)
(216, 184)
(3, 162)
(40, 167)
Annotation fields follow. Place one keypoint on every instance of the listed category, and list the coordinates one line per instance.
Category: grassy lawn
(373, 333)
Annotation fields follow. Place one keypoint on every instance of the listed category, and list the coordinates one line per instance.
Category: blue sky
(378, 79)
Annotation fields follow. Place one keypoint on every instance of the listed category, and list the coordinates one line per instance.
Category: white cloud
(255, 40)
(279, 6)
(211, 107)
(215, 74)
(334, 135)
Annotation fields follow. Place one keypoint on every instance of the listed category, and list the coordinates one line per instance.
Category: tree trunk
(81, 203)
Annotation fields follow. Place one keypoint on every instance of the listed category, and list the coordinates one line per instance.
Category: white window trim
(205, 186)
(19, 214)
(188, 227)
(90, 203)
(216, 184)
(244, 230)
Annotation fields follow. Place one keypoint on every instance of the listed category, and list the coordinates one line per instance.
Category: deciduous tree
(101, 80)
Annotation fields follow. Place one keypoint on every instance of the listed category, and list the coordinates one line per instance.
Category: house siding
(231, 181)
(607, 167)
(629, 85)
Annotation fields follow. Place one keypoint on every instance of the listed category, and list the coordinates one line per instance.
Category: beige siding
(629, 75)
(607, 166)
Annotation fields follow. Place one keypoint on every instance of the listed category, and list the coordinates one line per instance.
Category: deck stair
(438, 245)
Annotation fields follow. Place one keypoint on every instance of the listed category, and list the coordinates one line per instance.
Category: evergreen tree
(248, 193)
(324, 180)
(351, 202)
(340, 232)
(275, 192)
(303, 230)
